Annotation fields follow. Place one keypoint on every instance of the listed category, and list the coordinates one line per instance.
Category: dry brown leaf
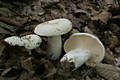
(81, 11)
(2, 30)
(93, 11)
(8, 27)
(1, 78)
(27, 64)
(47, 3)
(74, 31)
(108, 2)
(109, 58)
(25, 76)
(117, 61)
(103, 16)
(6, 71)
(86, 29)
(107, 71)
(49, 67)
(1, 48)
(8, 78)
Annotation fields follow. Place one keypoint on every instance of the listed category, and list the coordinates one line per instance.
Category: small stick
(13, 22)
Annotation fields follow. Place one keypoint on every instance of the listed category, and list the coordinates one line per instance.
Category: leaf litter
(98, 17)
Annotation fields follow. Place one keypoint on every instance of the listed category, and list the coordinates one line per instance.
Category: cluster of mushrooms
(80, 48)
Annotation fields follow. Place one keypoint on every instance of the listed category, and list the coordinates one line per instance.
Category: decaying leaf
(8, 78)
(1, 48)
(1, 78)
(6, 71)
(65, 69)
(81, 11)
(74, 31)
(107, 71)
(25, 76)
(27, 64)
(4, 31)
(86, 29)
(46, 3)
(49, 67)
(109, 57)
(117, 61)
(8, 27)
(103, 16)
(93, 11)
(11, 72)
(41, 52)
(109, 2)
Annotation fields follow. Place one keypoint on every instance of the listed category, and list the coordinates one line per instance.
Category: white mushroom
(83, 48)
(14, 41)
(53, 30)
(29, 41)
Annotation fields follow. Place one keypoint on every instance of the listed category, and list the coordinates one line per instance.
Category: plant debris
(107, 71)
(20, 17)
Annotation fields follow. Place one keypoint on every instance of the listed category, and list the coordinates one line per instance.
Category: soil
(19, 17)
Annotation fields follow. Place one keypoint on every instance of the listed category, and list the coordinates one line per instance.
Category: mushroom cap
(14, 41)
(31, 41)
(54, 27)
(89, 42)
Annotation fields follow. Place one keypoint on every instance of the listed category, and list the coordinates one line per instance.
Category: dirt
(20, 17)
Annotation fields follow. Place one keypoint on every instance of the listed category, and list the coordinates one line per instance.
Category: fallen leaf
(49, 67)
(117, 61)
(86, 29)
(27, 64)
(8, 27)
(48, 3)
(1, 78)
(109, 2)
(8, 78)
(2, 30)
(108, 71)
(1, 48)
(11, 72)
(6, 71)
(41, 52)
(25, 76)
(92, 10)
(74, 31)
(103, 16)
(109, 58)
(81, 11)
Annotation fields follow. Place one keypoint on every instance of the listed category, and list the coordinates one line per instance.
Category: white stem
(29, 51)
(77, 56)
(54, 47)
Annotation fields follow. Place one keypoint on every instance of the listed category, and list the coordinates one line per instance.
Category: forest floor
(20, 17)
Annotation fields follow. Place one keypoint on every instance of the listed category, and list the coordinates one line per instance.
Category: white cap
(54, 27)
(14, 41)
(88, 42)
(31, 41)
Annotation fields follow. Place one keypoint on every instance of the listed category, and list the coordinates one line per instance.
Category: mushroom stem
(29, 51)
(54, 47)
(77, 56)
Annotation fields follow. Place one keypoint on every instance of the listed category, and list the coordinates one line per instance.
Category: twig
(13, 22)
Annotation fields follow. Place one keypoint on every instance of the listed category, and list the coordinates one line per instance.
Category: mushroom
(83, 48)
(14, 40)
(29, 41)
(53, 30)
